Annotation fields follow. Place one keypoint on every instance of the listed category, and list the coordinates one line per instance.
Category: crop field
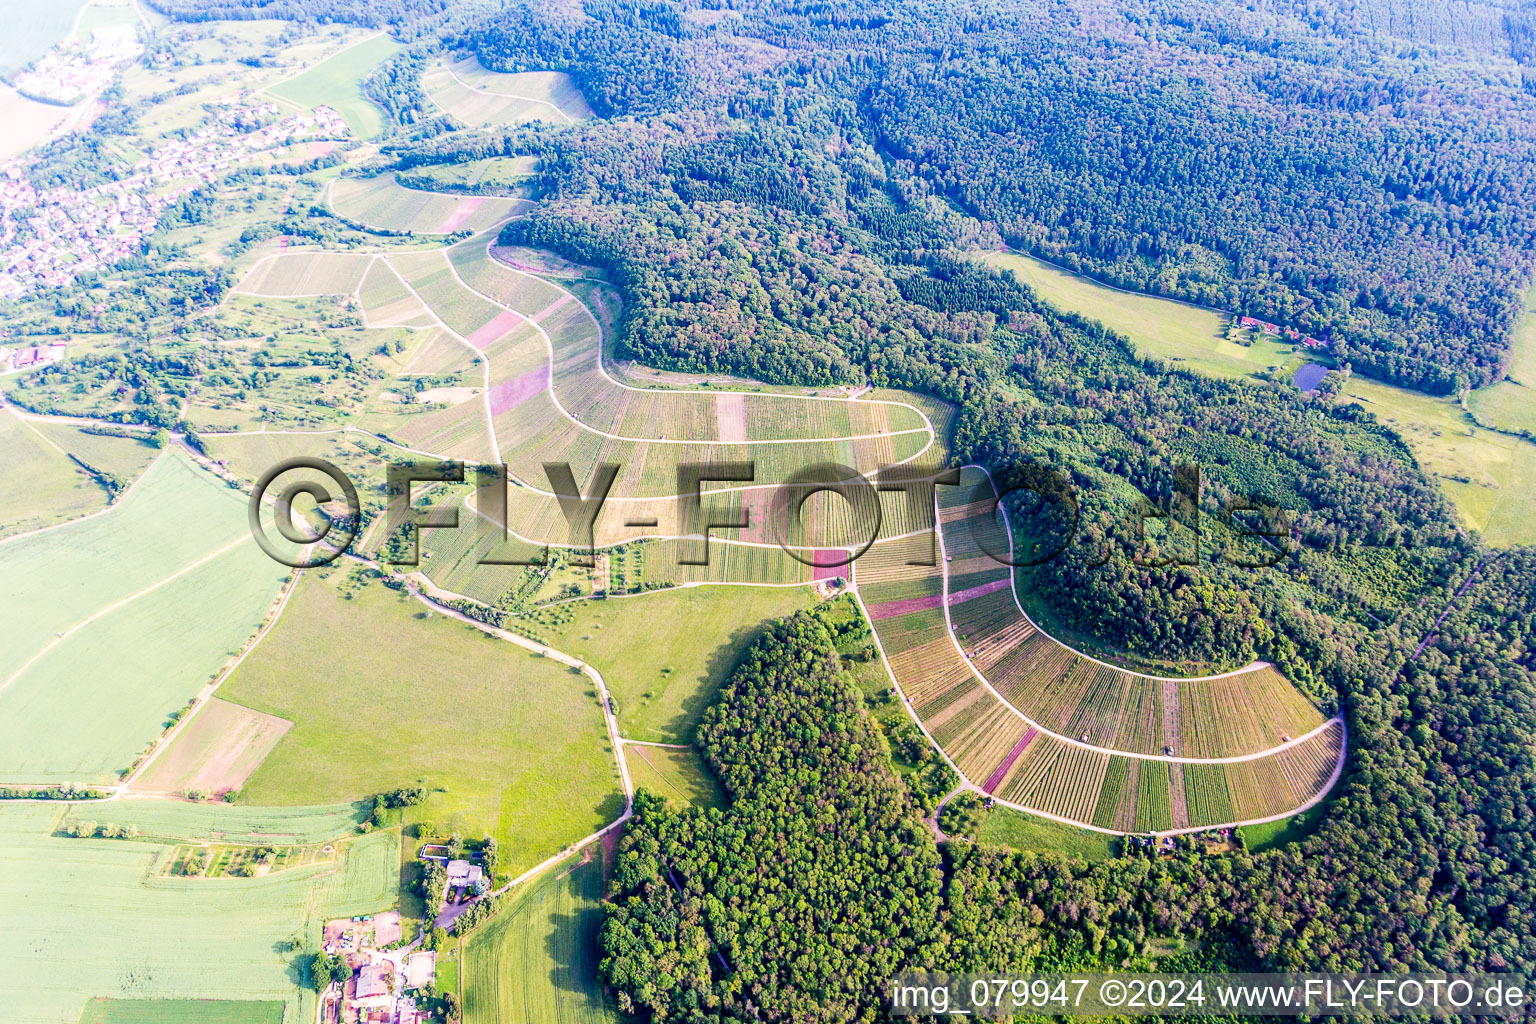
(382, 202)
(91, 921)
(174, 821)
(1490, 477)
(1076, 696)
(477, 108)
(182, 1011)
(43, 486)
(665, 654)
(475, 90)
(678, 775)
(301, 274)
(336, 82)
(217, 751)
(537, 959)
(78, 696)
(371, 678)
(387, 302)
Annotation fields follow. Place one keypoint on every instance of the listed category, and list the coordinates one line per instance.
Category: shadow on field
(574, 952)
(722, 662)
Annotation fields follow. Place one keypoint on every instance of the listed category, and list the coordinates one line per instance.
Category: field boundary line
(114, 606)
(165, 738)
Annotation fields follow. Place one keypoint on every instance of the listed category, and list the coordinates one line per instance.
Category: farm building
(374, 986)
(462, 874)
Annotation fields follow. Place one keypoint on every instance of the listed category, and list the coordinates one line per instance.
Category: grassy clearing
(80, 693)
(1019, 831)
(1185, 336)
(336, 82)
(1490, 477)
(90, 921)
(385, 693)
(182, 1011)
(679, 775)
(1273, 834)
(665, 654)
(42, 486)
(537, 960)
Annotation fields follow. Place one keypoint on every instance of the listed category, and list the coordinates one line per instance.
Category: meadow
(677, 774)
(384, 692)
(1003, 826)
(537, 959)
(43, 486)
(1180, 334)
(1489, 476)
(90, 921)
(665, 654)
(335, 82)
(80, 695)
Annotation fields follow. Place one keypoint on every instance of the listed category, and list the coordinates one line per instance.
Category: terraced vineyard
(1044, 728)
(1023, 717)
(538, 392)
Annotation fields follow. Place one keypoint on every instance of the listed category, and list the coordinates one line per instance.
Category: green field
(679, 775)
(1272, 834)
(665, 654)
(43, 487)
(1510, 404)
(1490, 477)
(178, 821)
(80, 693)
(536, 961)
(182, 1011)
(385, 693)
(1182, 335)
(335, 82)
(32, 27)
(1019, 831)
(90, 919)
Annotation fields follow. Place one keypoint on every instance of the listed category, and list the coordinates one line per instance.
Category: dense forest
(797, 192)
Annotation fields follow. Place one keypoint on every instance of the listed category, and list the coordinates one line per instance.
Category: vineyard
(1044, 728)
